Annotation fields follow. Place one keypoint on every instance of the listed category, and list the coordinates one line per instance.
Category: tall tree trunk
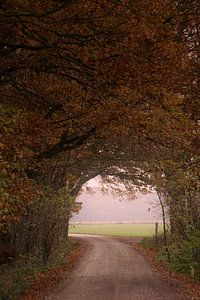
(160, 197)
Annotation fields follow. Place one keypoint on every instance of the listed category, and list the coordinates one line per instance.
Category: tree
(90, 88)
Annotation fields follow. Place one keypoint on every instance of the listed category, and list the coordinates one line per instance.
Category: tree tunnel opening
(108, 211)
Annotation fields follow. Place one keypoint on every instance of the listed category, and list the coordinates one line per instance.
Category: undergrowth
(184, 254)
(17, 276)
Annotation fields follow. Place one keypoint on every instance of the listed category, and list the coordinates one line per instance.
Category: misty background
(100, 207)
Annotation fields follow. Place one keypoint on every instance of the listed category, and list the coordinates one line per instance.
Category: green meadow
(127, 230)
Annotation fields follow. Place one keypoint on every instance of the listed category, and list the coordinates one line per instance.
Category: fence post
(192, 272)
(156, 232)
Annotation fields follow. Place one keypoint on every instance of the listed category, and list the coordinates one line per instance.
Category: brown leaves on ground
(45, 283)
(188, 285)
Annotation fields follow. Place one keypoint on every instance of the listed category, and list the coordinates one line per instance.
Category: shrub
(185, 254)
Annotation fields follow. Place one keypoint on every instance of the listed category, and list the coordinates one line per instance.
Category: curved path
(113, 270)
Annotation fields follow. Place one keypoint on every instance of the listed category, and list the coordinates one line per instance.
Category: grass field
(128, 230)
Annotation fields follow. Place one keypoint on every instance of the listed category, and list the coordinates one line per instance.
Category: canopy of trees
(89, 88)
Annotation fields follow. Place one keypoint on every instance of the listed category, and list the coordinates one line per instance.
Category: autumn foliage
(89, 88)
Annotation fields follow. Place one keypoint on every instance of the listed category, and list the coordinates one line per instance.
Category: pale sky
(101, 207)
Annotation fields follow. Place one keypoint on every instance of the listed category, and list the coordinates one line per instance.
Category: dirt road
(113, 270)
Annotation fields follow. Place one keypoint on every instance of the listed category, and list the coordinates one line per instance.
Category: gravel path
(113, 270)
